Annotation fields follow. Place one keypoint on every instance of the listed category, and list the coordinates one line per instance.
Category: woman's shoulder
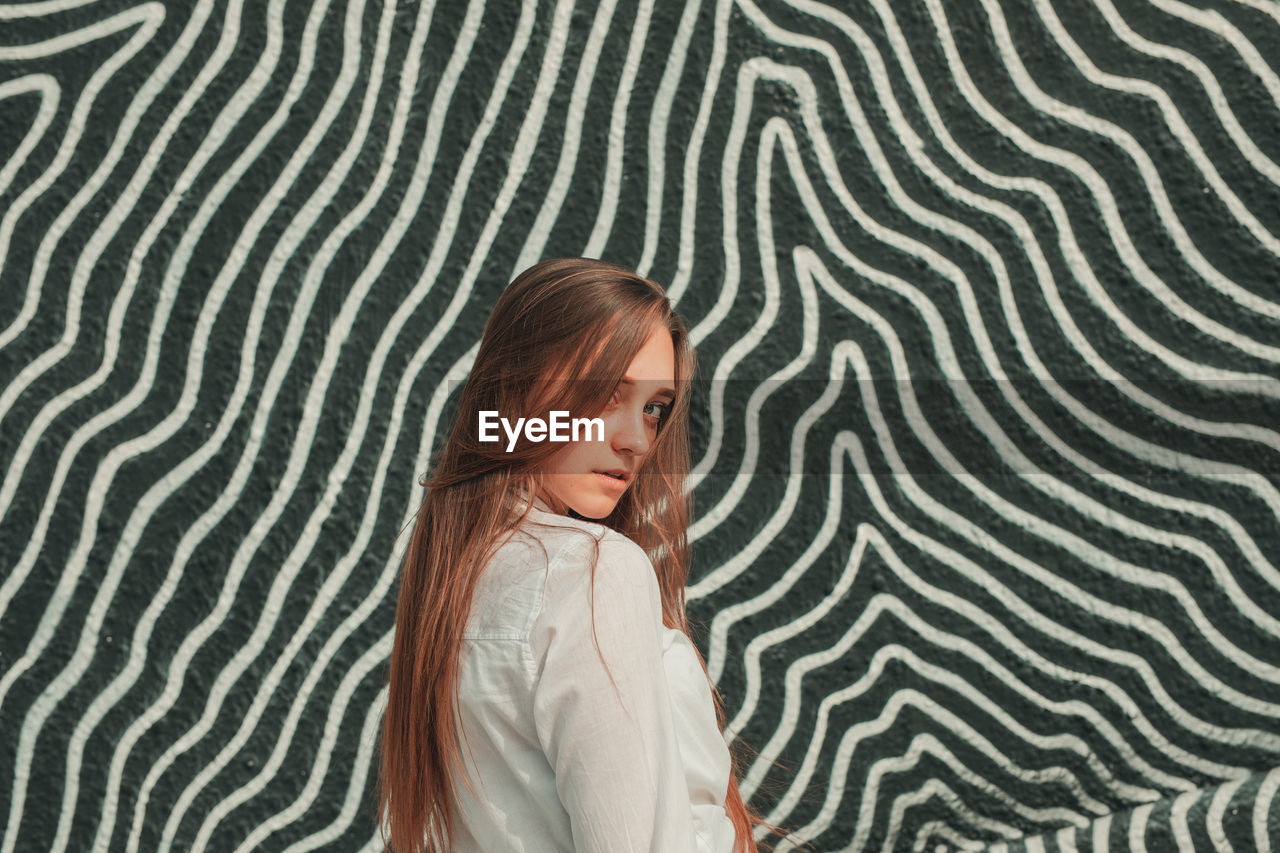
(600, 585)
(589, 554)
(577, 539)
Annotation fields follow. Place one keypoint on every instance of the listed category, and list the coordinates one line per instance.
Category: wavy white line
(379, 356)
(868, 142)
(612, 181)
(570, 139)
(1263, 800)
(523, 149)
(117, 456)
(1098, 187)
(390, 571)
(47, 88)
(659, 122)
(147, 19)
(1093, 555)
(1183, 133)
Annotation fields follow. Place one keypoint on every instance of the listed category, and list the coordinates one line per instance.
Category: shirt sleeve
(614, 752)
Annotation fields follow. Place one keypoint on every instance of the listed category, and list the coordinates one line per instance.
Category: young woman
(544, 694)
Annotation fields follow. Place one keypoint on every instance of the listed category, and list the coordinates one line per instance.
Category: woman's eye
(659, 411)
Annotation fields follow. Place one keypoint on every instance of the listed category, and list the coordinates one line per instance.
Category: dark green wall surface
(986, 295)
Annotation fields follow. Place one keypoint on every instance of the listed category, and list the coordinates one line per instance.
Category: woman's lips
(610, 482)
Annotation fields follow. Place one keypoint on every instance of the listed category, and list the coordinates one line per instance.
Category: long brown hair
(562, 319)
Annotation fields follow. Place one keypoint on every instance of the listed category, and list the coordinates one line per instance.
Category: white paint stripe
(1141, 667)
(218, 291)
(297, 460)
(1178, 820)
(148, 18)
(1101, 834)
(867, 141)
(1210, 683)
(118, 456)
(523, 148)
(353, 804)
(996, 753)
(936, 789)
(1094, 556)
(47, 88)
(342, 571)
(693, 158)
(798, 669)
(1138, 827)
(1132, 712)
(374, 598)
(1098, 188)
(929, 830)
(921, 745)
(40, 8)
(230, 115)
(1051, 628)
(1183, 133)
(55, 407)
(659, 122)
(611, 185)
(753, 457)
(748, 341)
(1215, 23)
(335, 580)
(1071, 252)
(1217, 809)
(1268, 789)
(126, 541)
(1144, 450)
(570, 139)
(71, 135)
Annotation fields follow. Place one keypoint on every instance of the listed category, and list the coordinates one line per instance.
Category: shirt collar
(523, 497)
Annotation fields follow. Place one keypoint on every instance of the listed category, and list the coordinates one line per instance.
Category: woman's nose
(631, 435)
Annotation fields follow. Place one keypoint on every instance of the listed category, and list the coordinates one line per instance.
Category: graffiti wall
(986, 297)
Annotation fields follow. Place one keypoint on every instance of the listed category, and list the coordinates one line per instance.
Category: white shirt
(560, 761)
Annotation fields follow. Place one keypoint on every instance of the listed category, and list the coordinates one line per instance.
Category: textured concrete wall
(987, 299)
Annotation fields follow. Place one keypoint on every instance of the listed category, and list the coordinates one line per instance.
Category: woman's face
(574, 476)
